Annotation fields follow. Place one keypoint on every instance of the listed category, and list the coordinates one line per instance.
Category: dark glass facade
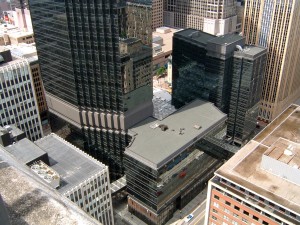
(219, 70)
(170, 187)
(78, 44)
(247, 78)
(199, 70)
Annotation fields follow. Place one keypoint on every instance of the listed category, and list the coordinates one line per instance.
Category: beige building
(214, 17)
(260, 183)
(275, 25)
(157, 13)
(162, 45)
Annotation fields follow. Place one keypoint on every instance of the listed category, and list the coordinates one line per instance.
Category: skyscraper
(275, 25)
(86, 74)
(214, 17)
(222, 70)
(18, 101)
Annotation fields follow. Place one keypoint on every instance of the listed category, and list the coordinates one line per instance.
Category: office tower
(28, 51)
(275, 25)
(260, 183)
(18, 103)
(60, 165)
(157, 13)
(84, 73)
(214, 17)
(247, 75)
(215, 69)
(165, 167)
(139, 20)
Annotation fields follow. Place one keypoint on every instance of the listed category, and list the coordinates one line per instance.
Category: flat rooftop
(244, 168)
(155, 147)
(196, 35)
(25, 151)
(167, 39)
(226, 39)
(29, 201)
(73, 165)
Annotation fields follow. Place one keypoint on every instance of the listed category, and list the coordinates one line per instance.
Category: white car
(188, 218)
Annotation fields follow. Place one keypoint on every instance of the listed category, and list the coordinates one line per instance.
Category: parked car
(188, 218)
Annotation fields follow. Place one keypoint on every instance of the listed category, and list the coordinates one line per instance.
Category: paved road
(199, 214)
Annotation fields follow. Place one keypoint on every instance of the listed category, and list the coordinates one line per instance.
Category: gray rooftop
(244, 168)
(29, 201)
(25, 151)
(250, 52)
(73, 165)
(155, 147)
(196, 35)
(226, 39)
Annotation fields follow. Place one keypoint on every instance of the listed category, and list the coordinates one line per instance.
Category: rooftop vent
(163, 127)
(197, 127)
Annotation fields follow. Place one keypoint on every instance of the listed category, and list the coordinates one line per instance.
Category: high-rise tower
(94, 78)
(214, 16)
(276, 25)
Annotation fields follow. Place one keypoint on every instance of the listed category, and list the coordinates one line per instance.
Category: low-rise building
(162, 43)
(165, 168)
(260, 183)
(63, 167)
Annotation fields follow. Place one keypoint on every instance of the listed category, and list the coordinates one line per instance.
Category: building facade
(165, 168)
(157, 13)
(214, 17)
(28, 51)
(139, 20)
(18, 99)
(221, 70)
(260, 183)
(247, 76)
(275, 25)
(84, 73)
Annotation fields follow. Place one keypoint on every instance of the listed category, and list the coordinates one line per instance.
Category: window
(216, 205)
(246, 213)
(236, 207)
(227, 203)
(216, 197)
(214, 218)
(244, 220)
(215, 211)
(265, 223)
(234, 222)
(226, 218)
(255, 217)
(227, 211)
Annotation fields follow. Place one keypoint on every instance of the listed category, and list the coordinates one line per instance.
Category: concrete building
(222, 70)
(275, 25)
(62, 166)
(214, 17)
(162, 45)
(12, 35)
(28, 51)
(260, 183)
(157, 13)
(83, 75)
(139, 20)
(25, 199)
(18, 103)
(165, 167)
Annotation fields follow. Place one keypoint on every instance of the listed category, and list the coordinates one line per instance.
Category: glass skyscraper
(96, 77)
(221, 70)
